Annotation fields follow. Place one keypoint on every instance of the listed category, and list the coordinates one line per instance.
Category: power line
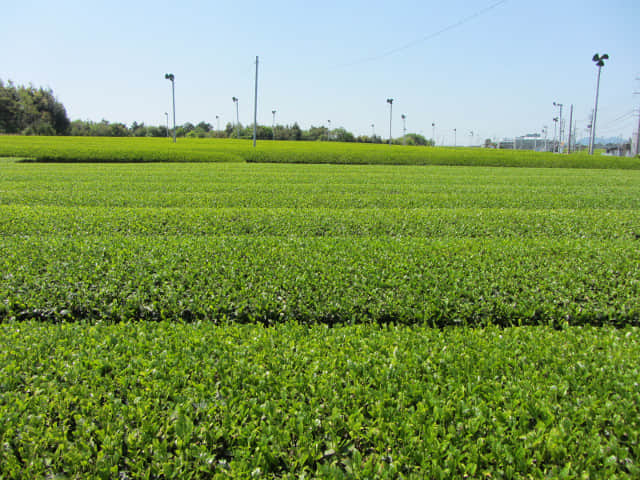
(426, 37)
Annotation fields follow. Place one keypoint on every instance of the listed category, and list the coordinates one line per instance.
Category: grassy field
(102, 149)
(135, 300)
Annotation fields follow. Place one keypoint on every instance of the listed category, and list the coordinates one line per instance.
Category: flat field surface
(123, 288)
(140, 150)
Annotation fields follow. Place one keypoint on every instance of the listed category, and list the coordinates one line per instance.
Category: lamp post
(235, 100)
(373, 132)
(404, 128)
(273, 127)
(172, 78)
(218, 122)
(555, 126)
(455, 132)
(390, 102)
(329, 131)
(433, 133)
(166, 115)
(559, 105)
(599, 61)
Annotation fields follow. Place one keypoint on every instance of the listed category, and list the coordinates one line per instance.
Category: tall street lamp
(455, 132)
(390, 102)
(555, 126)
(235, 100)
(599, 61)
(373, 132)
(433, 133)
(166, 115)
(404, 128)
(172, 78)
(273, 127)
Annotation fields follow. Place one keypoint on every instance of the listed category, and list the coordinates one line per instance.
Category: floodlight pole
(172, 77)
(273, 128)
(599, 60)
(235, 100)
(390, 102)
(255, 107)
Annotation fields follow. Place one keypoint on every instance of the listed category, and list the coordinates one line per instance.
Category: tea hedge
(105, 149)
(174, 400)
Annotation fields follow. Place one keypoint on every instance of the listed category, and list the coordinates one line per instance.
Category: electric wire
(426, 37)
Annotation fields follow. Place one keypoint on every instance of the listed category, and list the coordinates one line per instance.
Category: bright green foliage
(334, 244)
(174, 400)
(100, 149)
(351, 265)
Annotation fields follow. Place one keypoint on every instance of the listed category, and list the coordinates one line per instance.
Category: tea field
(141, 150)
(233, 319)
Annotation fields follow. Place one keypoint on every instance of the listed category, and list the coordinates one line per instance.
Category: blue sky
(496, 74)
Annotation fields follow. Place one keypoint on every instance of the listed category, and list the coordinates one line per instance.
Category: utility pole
(404, 129)
(373, 132)
(638, 136)
(599, 61)
(637, 152)
(570, 124)
(329, 131)
(560, 105)
(218, 123)
(390, 102)
(455, 130)
(555, 130)
(255, 107)
(433, 132)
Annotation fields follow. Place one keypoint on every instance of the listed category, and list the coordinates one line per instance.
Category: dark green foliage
(31, 111)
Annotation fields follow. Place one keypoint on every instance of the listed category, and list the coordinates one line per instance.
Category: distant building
(531, 141)
(621, 150)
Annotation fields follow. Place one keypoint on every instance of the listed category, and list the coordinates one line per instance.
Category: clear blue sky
(496, 74)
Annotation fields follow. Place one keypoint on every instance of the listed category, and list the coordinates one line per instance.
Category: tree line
(31, 111)
(36, 111)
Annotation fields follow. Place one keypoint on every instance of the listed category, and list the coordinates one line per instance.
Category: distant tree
(205, 127)
(32, 111)
(296, 132)
(341, 135)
